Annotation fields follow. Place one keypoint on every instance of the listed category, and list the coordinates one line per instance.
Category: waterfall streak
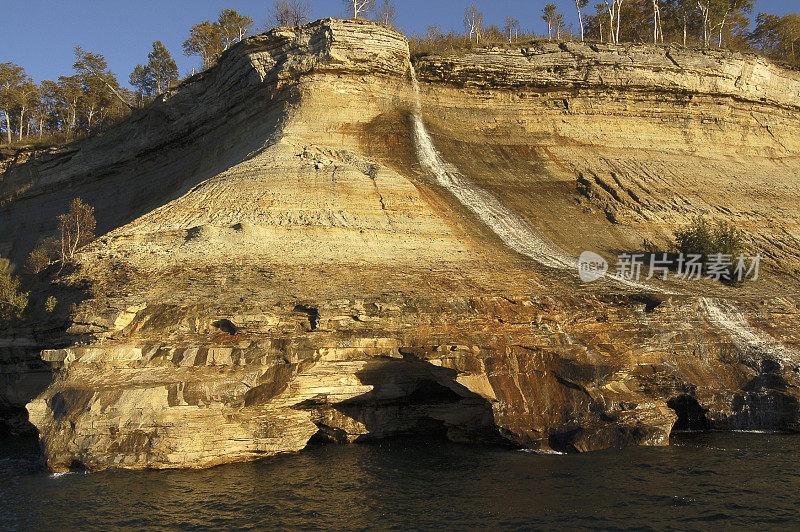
(724, 316)
(515, 232)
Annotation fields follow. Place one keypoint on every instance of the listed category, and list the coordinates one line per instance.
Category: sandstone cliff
(280, 264)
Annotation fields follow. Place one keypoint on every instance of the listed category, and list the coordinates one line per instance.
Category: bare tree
(580, 4)
(705, 11)
(658, 34)
(511, 29)
(359, 7)
(387, 13)
(473, 22)
(289, 13)
(560, 25)
(614, 8)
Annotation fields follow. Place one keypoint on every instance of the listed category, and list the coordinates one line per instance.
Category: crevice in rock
(311, 312)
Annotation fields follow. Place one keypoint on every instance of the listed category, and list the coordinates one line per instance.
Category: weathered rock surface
(276, 267)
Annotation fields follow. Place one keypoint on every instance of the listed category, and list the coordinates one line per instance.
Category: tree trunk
(21, 123)
(655, 22)
(73, 118)
(685, 29)
(657, 31)
(8, 126)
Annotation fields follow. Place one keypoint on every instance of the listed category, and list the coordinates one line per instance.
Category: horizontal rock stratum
(299, 246)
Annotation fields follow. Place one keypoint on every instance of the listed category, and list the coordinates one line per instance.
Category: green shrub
(701, 238)
(51, 303)
(13, 302)
(42, 255)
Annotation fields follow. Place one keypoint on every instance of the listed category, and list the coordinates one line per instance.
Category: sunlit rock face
(279, 265)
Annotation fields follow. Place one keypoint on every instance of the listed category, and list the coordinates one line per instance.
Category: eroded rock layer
(277, 267)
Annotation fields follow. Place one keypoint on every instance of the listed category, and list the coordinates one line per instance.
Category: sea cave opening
(409, 398)
(691, 416)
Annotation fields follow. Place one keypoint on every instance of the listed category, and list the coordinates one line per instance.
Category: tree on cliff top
(511, 29)
(96, 78)
(289, 13)
(359, 8)
(11, 78)
(209, 39)
(614, 8)
(205, 40)
(158, 74)
(728, 10)
(684, 12)
(549, 15)
(233, 27)
(473, 22)
(580, 4)
(386, 13)
(778, 37)
(25, 97)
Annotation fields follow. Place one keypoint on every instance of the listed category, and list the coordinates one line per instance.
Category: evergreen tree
(233, 27)
(158, 74)
(98, 82)
(205, 40)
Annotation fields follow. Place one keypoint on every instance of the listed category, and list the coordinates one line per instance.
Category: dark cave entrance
(410, 398)
(691, 416)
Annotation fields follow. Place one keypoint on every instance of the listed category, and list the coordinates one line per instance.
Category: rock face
(278, 267)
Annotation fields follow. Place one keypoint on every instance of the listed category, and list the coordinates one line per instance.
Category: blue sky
(40, 35)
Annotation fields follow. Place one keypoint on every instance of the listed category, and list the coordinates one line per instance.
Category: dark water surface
(702, 481)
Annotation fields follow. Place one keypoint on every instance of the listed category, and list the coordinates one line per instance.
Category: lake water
(702, 481)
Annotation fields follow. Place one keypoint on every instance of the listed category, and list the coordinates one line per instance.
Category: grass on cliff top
(439, 43)
(435, 42)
